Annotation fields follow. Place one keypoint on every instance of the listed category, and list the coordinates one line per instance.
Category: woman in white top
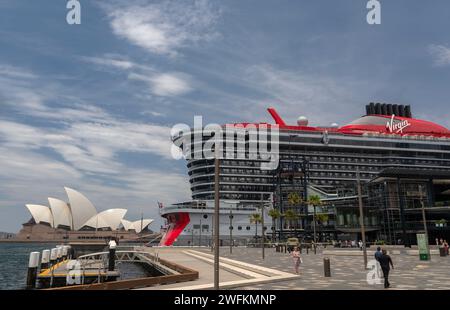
(297, 259)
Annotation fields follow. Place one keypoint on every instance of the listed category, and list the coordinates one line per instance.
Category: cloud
(109, 60)
(165, 26)
(153, 113)
(11, 71)
(44, 147)
(165, 84)
(440, 54)
(291, 92)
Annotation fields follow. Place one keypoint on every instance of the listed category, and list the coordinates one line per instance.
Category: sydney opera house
(78, 220)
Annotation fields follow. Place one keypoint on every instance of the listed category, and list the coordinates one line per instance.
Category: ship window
(196, 226)
(239, 227)
(248, 228)
(205, 216)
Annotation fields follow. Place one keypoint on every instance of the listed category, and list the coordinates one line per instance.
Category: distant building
(5, 235)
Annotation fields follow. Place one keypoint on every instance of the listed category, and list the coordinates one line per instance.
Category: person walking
(297, 258)
(377, 255)
(386, 264)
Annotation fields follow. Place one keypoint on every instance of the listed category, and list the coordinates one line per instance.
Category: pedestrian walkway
(347, 272)
(233, 273)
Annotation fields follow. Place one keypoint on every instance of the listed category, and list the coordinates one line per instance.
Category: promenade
(347, 272)
(245, 269)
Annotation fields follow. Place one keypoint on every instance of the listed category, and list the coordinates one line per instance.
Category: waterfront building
(78, 220)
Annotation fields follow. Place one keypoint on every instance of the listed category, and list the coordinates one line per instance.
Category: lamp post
(361, 218)
(231, 232)
(200, 234)
(263, 241)
(216, 219)
(142, 224)
(424, 218)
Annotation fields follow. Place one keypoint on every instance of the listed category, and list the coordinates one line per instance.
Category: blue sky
(90, 106)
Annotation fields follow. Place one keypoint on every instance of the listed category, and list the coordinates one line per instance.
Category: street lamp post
(231, 232)
(361, 219)
(315, 230)
(424, 218)
(216, 219)
(263, 241)
(200, 234)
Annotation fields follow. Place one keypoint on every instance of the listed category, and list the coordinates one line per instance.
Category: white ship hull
(192, 223)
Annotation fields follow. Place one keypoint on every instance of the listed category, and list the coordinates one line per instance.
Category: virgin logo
(397, 127)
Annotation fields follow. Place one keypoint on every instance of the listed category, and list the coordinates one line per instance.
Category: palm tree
(294, 199)
(255, 218)
(314, 200)
(290, 216)
(274, 214)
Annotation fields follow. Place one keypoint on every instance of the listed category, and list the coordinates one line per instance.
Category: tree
(290, 216)
(274, 214)
(315, 201)
(255, 218)
(294, 199)
(322, 217)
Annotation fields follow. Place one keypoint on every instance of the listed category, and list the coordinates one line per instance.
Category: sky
(90, 106)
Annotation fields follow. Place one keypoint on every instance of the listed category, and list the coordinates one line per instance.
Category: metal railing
(101, 258)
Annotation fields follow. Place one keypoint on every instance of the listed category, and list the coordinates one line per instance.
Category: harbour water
(14, 263)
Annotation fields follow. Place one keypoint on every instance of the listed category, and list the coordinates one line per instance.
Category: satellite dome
(334, 125)
(302, 121)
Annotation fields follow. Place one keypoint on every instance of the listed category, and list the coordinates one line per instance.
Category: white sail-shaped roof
(82, 209)
(40, 213)
(61, 213)
(110, 218)
(139, 225)
(126, 224)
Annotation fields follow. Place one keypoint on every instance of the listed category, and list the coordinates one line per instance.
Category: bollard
(307, 249)
(69, 251)
(326, 267)
(33, 264)
(53, 256)
(285, 248)
(58, 254)
(64, 252)
(45, 259)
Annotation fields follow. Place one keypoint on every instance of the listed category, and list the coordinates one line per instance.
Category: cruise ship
(327, 162)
